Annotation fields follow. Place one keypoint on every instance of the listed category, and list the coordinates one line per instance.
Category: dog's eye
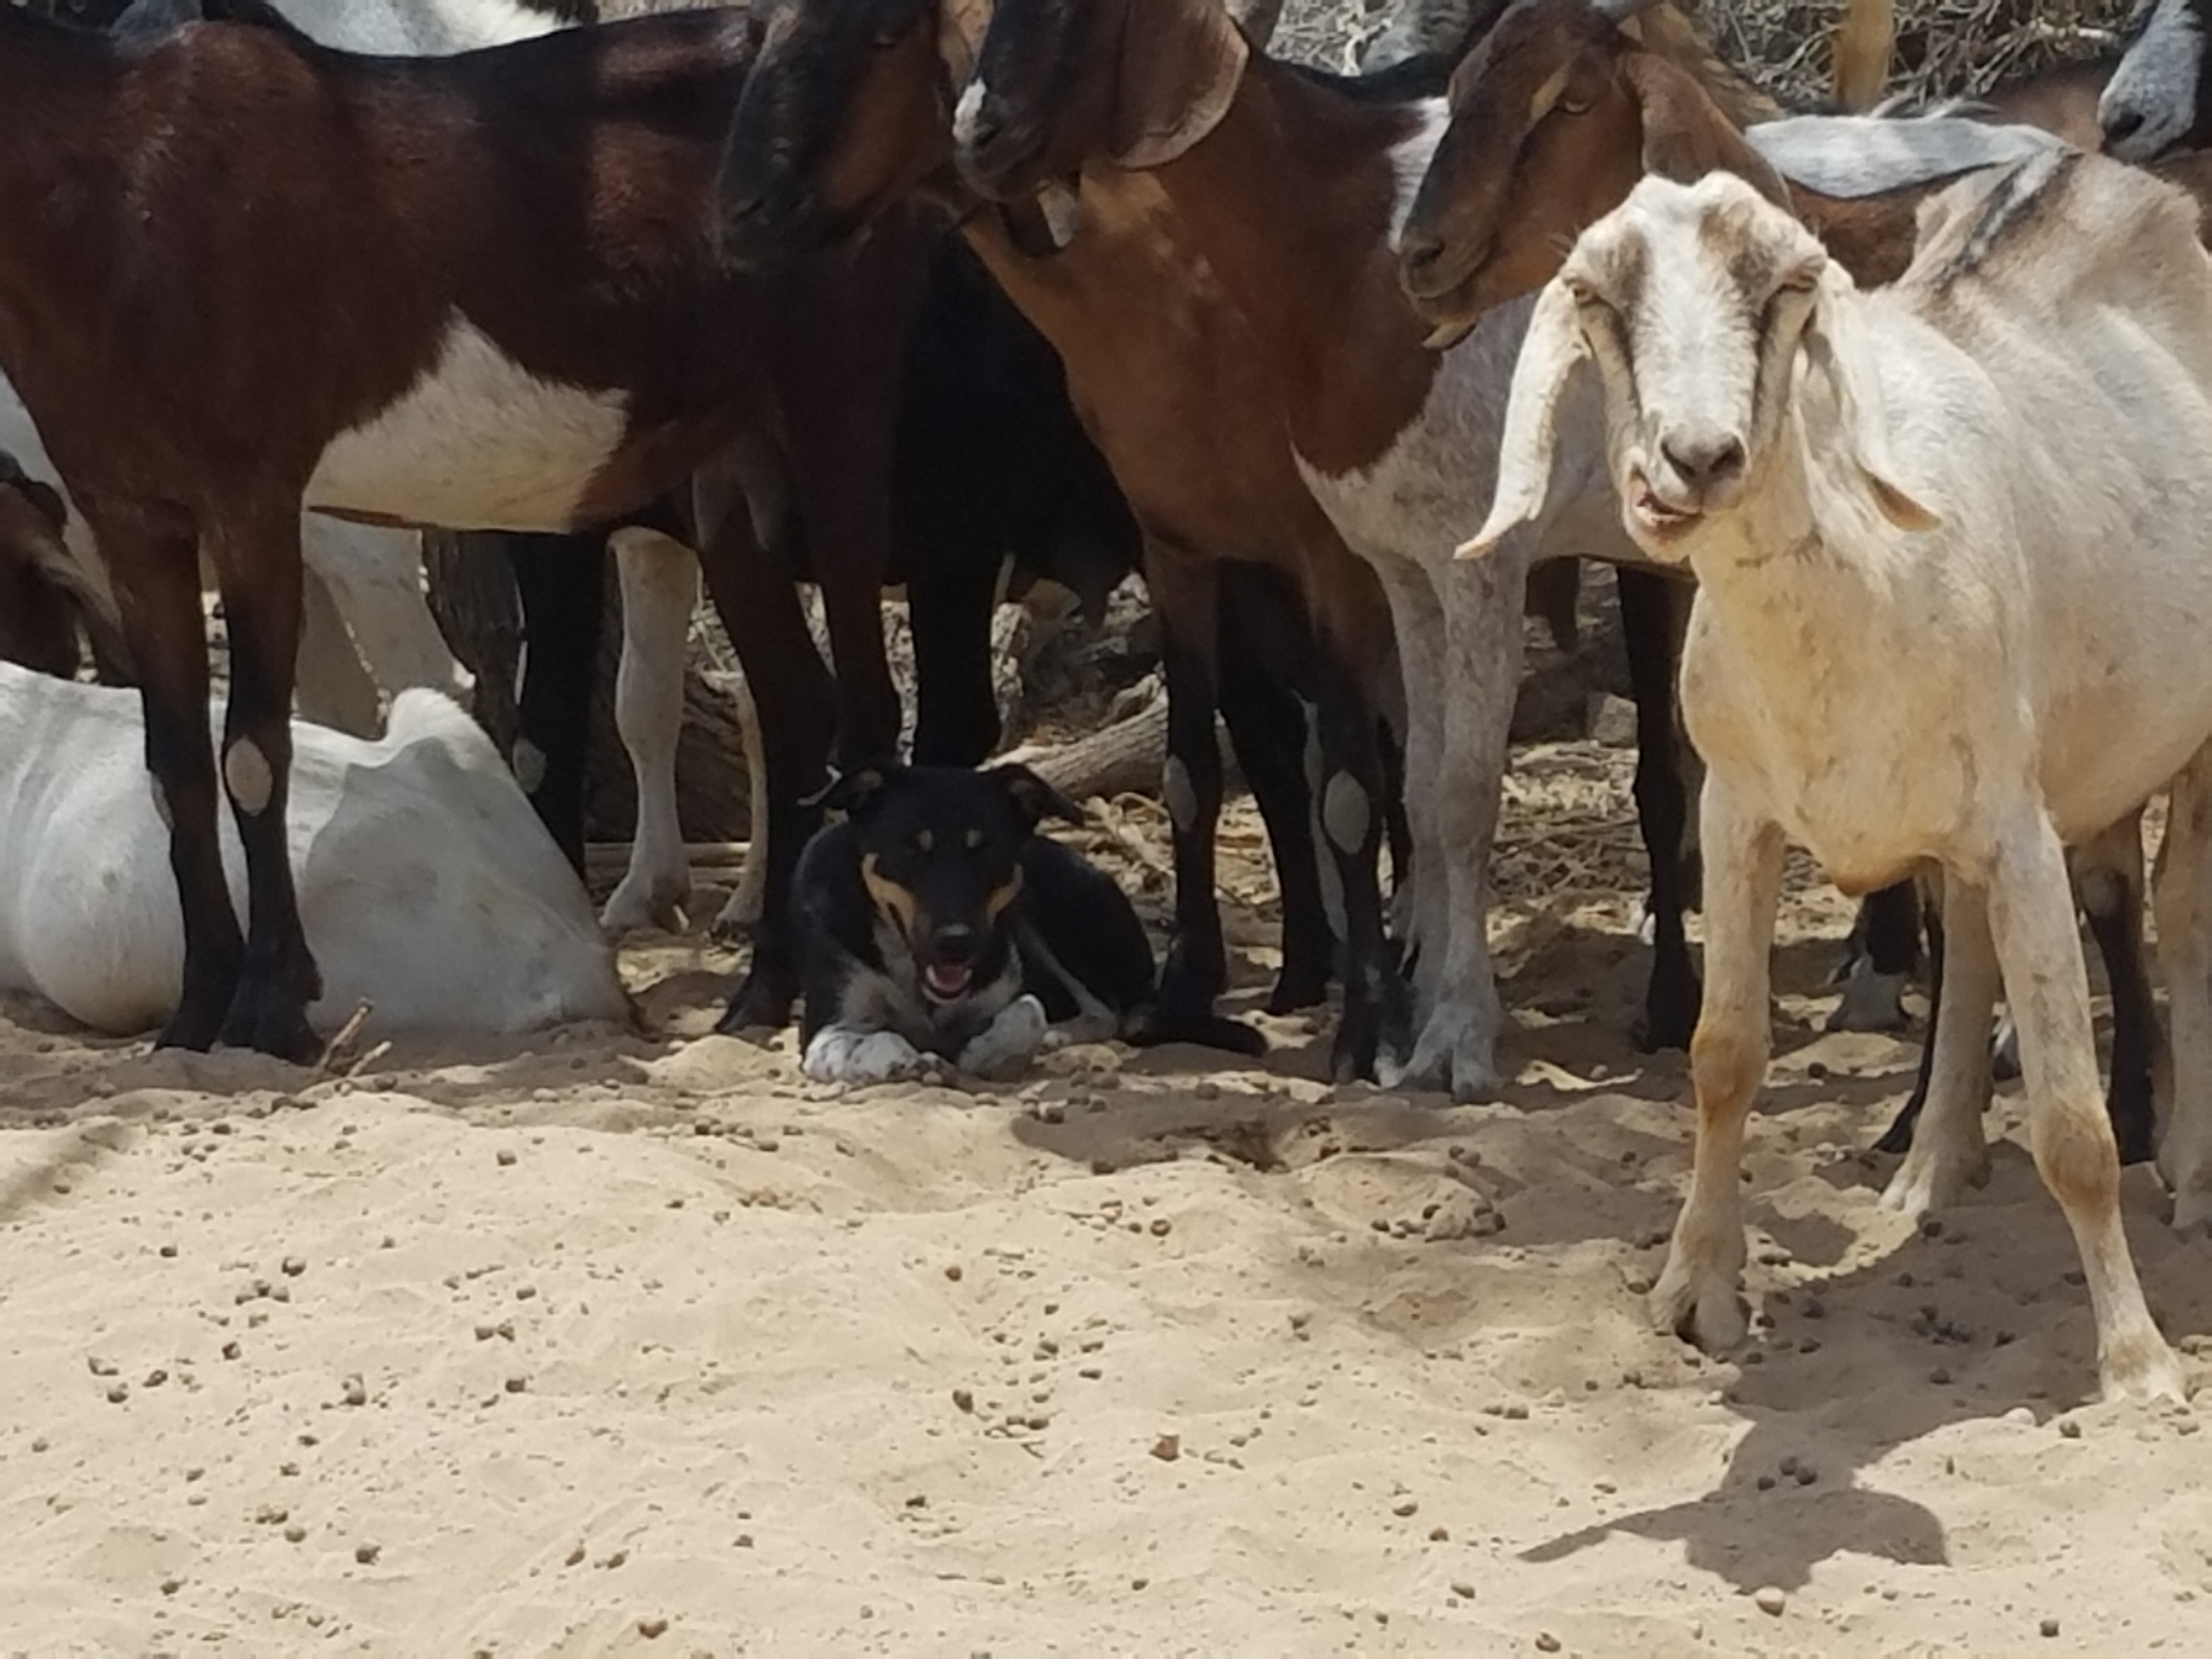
(975, 839)
(924, 840)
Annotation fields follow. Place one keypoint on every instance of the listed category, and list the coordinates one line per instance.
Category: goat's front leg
(2184, 956)
(559, 583)
(1352, 803)
(660, 591)
(156, 568)
(256, 553)
(1186, 598)
(1419, 904)
(1482, 604)
(2039, 947)
(1947, 1152)
(1697, 1295)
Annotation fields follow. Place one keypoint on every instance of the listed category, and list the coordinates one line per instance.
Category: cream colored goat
(1954, 582)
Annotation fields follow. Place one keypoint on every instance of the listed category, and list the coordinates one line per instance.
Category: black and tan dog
(933, 920)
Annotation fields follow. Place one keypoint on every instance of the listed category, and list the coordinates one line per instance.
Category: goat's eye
(1582, 293)
(1571, 104)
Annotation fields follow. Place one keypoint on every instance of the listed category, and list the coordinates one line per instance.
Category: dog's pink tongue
(947, 978)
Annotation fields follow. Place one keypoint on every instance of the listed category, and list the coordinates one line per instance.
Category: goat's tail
(1859, 52)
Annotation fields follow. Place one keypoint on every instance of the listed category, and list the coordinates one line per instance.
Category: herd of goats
(1896, 424)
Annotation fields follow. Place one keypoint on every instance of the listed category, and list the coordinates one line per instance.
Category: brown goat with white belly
(241, 271)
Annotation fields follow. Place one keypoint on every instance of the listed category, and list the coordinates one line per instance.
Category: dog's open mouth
(947, 981)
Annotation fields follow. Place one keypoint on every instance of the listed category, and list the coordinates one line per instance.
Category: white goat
(428, 886)
(1950, 543)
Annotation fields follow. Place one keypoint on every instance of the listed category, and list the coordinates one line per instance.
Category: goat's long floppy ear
(1843, 359)
(1033, 797)
(1549, 356)
(1175, 81)
(850, 791)
(1686, 137)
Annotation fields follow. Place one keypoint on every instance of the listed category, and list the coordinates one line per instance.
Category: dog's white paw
(839, 1053)
(1010, 1039)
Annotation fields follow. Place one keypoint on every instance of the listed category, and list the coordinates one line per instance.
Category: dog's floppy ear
(851, 792)
(1033, 797)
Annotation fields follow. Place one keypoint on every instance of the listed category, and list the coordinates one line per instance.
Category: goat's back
(2052, 240)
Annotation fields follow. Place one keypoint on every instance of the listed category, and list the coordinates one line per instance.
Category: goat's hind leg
(2108, 877)
(256, 554)
(2046, 983)
(157, 572)
(1648, 603)
(1947, 1152)
(659, 590)
(2181, 892)
(1696, 1295)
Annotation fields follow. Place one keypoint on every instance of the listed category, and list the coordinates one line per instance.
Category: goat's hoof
(2193, 1211)
(2142, 1367)
(1700, 1304)
(1189, 989)
(1297, 987)
(633, 907)
(1897, 1139)
(733, 926)
(1872, 1001)
(265, 1019)
(1666, 1024)
(1352, 1055)
(1929, 1181)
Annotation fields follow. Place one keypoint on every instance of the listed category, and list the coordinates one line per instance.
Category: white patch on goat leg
(529, 765)
(246, 774)
(478, 441)
(839, 1054)
(1009, 1041)
(1176, 790)
(1345, 813)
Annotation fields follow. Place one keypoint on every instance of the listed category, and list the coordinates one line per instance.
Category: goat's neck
(1783, 553)
(1291, 199)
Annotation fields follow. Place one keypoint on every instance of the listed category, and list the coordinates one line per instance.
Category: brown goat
(242, 270)
(842, 116)
(1287, 183)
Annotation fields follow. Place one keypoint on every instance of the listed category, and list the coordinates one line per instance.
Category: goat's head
(1697, 302)
(2154, 101)
(1555, 115)
(846, 107)
(1061, 82)
(1545, 135)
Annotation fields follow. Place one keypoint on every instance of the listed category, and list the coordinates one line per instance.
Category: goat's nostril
(1704, 459)
(2122, 124)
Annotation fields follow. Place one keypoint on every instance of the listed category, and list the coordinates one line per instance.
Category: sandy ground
(595, 1344)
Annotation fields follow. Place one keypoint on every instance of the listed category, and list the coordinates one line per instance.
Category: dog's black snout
(955, 944)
